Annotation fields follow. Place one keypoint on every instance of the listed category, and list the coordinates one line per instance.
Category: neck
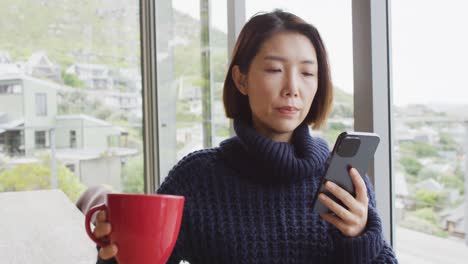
(263, 159)
(271, 134)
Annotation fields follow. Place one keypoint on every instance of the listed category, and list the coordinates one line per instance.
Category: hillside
(91, 31)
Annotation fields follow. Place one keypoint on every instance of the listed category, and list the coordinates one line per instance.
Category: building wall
(12, 104)
(97, 171)
(33, 122)
(95, 135)
(64, 126)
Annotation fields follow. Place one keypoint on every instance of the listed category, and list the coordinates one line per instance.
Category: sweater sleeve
(172, 185)
(370, 246)
(179, 182)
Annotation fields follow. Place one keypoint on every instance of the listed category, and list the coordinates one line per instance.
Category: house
(82, 131)
(94, 76)
(427, 134)
(93, 149)
(403, 133)
(39, 65)
(128, 102)
(430, 185)
(402, 199)
(454, 221)
(94, 167)
(129, 78)
(5, 58)
(9, 69)
(29, 107)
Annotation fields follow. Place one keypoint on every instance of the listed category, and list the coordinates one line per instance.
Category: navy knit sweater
(249, 201)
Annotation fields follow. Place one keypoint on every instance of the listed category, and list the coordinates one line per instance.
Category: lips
(287, 110)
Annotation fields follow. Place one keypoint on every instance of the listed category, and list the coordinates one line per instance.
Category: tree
(427, 214)
(71, 102)
(447, 141)
(37, 176)
(72, 80)
(411, 165)
(427, 173)
(426, 198)
(419, 149)
(423, 220)
(132, 175)
(453, 181)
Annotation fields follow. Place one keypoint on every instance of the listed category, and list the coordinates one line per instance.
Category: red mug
(144, 227)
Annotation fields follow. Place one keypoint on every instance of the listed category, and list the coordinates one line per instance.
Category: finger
(102, 230)
(342, 226)
(359, 185)
(336, 208)
(342, 195)
(337, 222)
(101, 217)
(108, 252)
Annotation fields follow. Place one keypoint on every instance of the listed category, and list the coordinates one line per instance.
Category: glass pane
(70, 95)
(192, 62)
(334, 25)
(430, 130)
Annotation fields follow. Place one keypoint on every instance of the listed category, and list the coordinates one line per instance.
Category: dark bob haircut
(254, 33)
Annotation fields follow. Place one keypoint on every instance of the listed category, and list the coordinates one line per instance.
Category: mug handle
(89, 215)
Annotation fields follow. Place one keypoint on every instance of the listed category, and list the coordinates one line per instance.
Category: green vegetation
(424, 198)
(37, 176)
(184, 115)
(447, 142)
(132, 175)
(412, 166)
(419, 149)
(423, 221)
(427, 173)
(72, 80)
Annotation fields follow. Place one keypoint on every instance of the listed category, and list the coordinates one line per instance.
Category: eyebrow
(278, 58)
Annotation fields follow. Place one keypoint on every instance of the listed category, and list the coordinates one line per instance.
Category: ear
(240, 80)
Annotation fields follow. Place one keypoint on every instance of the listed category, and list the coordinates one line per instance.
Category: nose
(291, 86)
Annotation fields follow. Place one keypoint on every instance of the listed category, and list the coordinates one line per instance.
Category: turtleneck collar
(261, 158)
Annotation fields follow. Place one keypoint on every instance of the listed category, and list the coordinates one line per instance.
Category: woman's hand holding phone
(352, 221)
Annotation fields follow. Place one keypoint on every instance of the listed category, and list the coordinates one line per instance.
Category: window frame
(73, 139)
(372, 91)
(149, 95)
(37, 136)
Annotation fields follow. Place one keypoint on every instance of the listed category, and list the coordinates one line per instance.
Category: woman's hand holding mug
(102, 231)
(136, 228)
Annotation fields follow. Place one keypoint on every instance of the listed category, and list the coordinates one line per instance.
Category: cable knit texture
(249, 201)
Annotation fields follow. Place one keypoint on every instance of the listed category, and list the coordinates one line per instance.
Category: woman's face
(280, 84)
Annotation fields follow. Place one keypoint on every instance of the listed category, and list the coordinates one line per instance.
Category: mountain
(86, 31)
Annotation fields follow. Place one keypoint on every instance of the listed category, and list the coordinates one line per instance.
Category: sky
(429, 43)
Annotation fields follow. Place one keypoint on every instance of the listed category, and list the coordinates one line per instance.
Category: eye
(273, 70)
(308, 74)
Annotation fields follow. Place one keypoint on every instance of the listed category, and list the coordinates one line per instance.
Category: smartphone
(352, 149)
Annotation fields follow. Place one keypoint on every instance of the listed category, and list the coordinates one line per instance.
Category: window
(192, 62)
(335, 27)
(40, 139)
(69, 65)
(430, 130)
(72, 139)
(10, 88)
(41, 104)
(71, 167)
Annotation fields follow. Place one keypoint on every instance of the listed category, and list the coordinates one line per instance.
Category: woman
(249, 200)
